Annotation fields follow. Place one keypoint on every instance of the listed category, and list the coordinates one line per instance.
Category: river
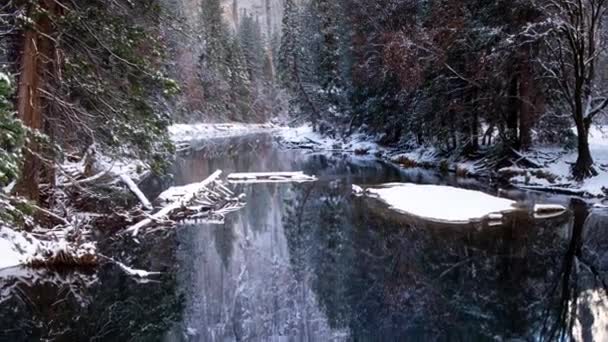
(311, 262)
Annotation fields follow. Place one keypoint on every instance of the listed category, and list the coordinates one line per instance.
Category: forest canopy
(449, 73)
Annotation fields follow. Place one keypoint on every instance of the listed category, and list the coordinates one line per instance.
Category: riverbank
(186, 135)
(551, 172)
(95, 193)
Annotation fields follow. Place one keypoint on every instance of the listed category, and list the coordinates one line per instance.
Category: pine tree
(288, 50)
(11, 135)
(252, 45)
(215, 32)
(240, 83)
(329, 58)
(89, 74)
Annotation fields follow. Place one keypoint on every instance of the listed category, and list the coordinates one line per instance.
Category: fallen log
(270, 177)
(178, 197)
(136, 191)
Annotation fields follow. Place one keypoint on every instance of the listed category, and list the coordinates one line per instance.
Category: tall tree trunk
(28, 107)
(584, 163)
(268, 20)
(526, 111)
(235, 14)
(475, 131)
(37, 62)
(512, 111)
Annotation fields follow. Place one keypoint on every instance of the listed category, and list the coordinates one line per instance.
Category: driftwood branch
(136, 191)
(178, 198)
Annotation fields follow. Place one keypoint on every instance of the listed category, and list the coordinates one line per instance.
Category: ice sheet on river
(445, 203)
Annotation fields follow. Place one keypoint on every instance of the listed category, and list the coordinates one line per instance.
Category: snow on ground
(184, 133)
(555, 175)
(21, 248)
(16, 248)
(557, 164)
(304, 137)
(419, 156)
(442, 203)
(103, 166)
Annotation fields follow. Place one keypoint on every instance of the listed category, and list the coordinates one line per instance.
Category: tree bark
(584, 163)
(28, 107)
(526, 106)
(235, 14)
(37, 61)
(512, 111)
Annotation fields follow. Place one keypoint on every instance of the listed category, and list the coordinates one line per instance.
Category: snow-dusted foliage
(11, 134)
(22, 249)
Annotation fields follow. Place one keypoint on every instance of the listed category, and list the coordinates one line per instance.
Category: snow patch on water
(442, 203)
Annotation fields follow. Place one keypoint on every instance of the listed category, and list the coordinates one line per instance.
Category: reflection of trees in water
(107, 305)
(580, 289)
(379, 274)
(223, 239)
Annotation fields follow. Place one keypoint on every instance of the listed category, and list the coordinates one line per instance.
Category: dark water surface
(310, 262)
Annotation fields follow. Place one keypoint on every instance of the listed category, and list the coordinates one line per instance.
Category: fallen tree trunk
(270, 177)
(136, 191)
(178, 198)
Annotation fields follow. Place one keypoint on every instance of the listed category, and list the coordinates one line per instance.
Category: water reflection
(310, 262)
(102, 306)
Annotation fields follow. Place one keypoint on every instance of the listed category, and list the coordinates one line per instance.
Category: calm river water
(311, 262)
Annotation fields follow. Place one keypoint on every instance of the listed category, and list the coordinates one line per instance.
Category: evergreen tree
(215, 32)
(89, 74)
(288, 50)
(239, 81)
(11, 135)
(252, 45)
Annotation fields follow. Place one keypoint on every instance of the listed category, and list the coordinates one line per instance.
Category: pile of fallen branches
(209, 199)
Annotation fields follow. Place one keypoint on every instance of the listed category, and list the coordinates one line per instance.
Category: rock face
(269, 13)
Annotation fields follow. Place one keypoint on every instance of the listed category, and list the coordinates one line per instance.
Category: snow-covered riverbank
(554, 173)
(189, 133)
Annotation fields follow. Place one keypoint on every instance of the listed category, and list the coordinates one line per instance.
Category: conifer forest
(304, 170)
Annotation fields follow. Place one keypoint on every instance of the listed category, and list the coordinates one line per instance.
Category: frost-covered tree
(11, 135)
(216, 36)
(297, 70)
(89, 73)
(252, 45)
(577, 44)
(288, 50)
(329, 68)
